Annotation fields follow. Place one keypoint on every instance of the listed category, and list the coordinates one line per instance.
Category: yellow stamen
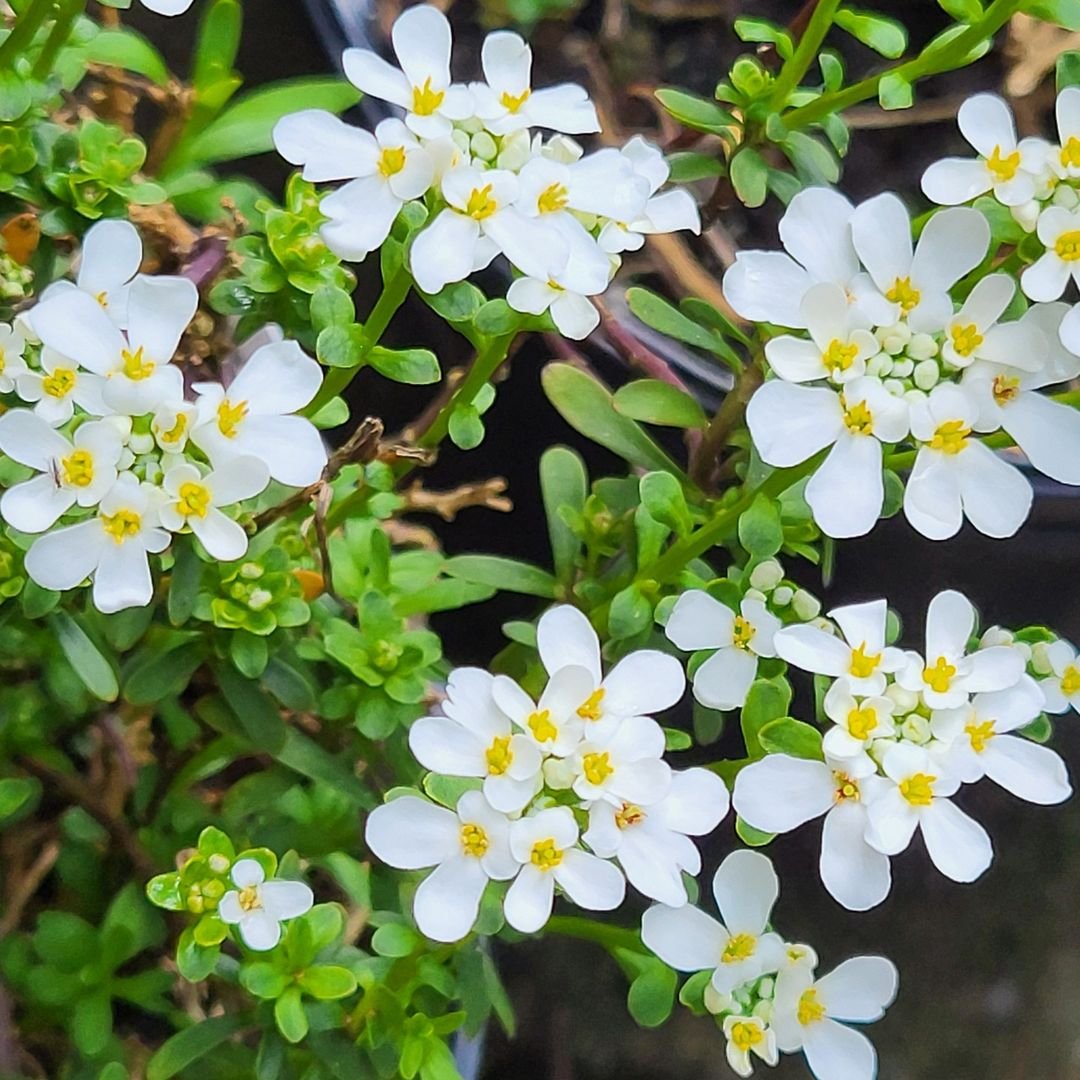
(499, 756)
(425, 100)
(745, 1036)
(1070, 153)
(965, 339)
(918, 789)
(847, 790)
(176, 432)
(78, 469)
(590, 708)
(597, 768)
(951, 437)
(481, 204)
(739, 947)
(1070, 680)
(1067, 245)
(1003, 167)
(861, 722)
(194, 500)
(629, 815)
(103, 298)
(512, 102)
(229, 416)
(742, 633)
(810, 1009)
(249, 898)
(863, 664)
(939, 677)
(545, 855)
(541, 726)
(1006, 388)
(838, 356)
(474, 841)
(122, 525)
(553, 198)
(135, 367)
(857, 419)
(902, 292)
(392, 160)
(980, 735)
(60, 383)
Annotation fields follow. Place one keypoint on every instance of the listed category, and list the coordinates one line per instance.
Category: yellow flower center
(629, 815)
(1003, 167)
(553, 198)
(597, 768)
(857, 419)
(122, 525)
(863, 664)
(838, 356)
(810, 1009)
(1070, 153)
(499, 756)
(739, 947)
(3, 360)
(951, 437)
(481, 204)
(176, 432)
(1070, 680)
(846, 790)
(229, 416)
(194, 500)
(541, 726)
(742, 633)
(512, 102)
(861, 722)
(545, 855)
(1067, 245)
(939, 677)
(1006, 388)
(60, 383)
(745, 1036)
(425, 100)
(249, 898)
(965, 339)
(392, 160)
(905, 294)
(474, 841)
(590, 708)
(135, 367)
(980, 735)
(918, 789)
(78, 469)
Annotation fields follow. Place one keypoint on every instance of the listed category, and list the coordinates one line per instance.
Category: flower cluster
(908, 729)
(763, 990)
(120, 458)
(563, 785)
(885, 357)
(490, 184)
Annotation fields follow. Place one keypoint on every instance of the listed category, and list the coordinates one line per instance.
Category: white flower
(949, 674)
(252, 417)
(857, 723)
(422, 41)
(385, 170)
(806, 1015)
(111, 547)
(1047, 278)
(791, 423)
(918, 798)
(258, 907)
(468, 847)
(1003, 166)
(739, 949)
(769, 286)
(981, 744)
(957, 476)
(779, 793)
(1062, 688)
(109, 259)
(552, 724)
(699, 621)
(953, 243)
(12, 364)
(627, 766)
(974, 333)
(479, 222)
(651, 842)
(59, 387)
(860, 657)
(135, 365)
(475, 738)
(194, 500)
(746, 1035)
(544, 845)
(664, 212)
(839, 344)
(640, 684)
(565, 296)
(507, 102)
(76, 471)
(172, 425)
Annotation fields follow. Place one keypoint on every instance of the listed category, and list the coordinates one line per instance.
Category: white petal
(290, 446)
(724, 680)
(950, 622)
(746, 888)
(222, 537)
(77, 327)
(814, 230)
(375, 77)
(590, 882)
(684, 938)
(575, 316)
(111, 254)
(247, 873)
(855, 874)
(892, 822)
(530, 295)
(444, 251)
(327, 148)
(445, 746)
(447, 901)
(881, 233)
(122, 578)
(860, 989)
(159, 310)
(1049, 434)
(286, 899)
(647, 858)
(986, 121)
(644, 682)
(1046, 278)
(932, 497)
(959, 846)
(791, 423)
(835, 1052)
(767, 286)
(36, 505)
(564, 636)
(780, 792)
(361, 215)
(696, 803)
(260, 931)
(411, 833)
(422, 42)
(847, 491)
(953, 181)
(529, 900)
(795, 359)
(952, 243)
(1030, 771)
(812, 649)
(699, 621)
(996, 496)
(278, 378)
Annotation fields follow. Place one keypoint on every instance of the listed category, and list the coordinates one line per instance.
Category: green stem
(23, 32)
(69, 11)
(392, 297)
(610, 937)
(791, 74)
(931, 61)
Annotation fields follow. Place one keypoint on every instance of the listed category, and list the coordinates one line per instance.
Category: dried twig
(448, 504)
(25, 887)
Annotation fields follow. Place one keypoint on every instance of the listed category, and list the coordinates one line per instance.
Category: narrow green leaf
(417, 367)
(217, 44)
(655, 402)
(564, 483)
(509, 575)
(258, 715)
(95, 671)
(188, 1046)
(885, 36)
(696, 112)
(656, 312)
(129, 50)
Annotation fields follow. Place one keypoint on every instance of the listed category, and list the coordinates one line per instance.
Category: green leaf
(509, 575)
(655, 402)
(811, 157)
(696, 112)
(289, 1015)
(564, 484)
(191, 1044)
(688, 165)
(328, 982)
(457, 303)
(749, 174)
(395, 939)
(794, 737)
(652, 995)
(1065, 13)
(674, 739)
(331, 306)
(417, 367)
(894, 92)
(91, 1023)
(631, 612)
(752, 837)
(217, 44)
(662, 495)
(15, 97)
(656, 312)
(15, 793)
(761, 30)
(497, 318)
(587, 406)
(767, 700)
(341, 346)
(1068, 70)
(249, 653)
(962, 10)
(885, 36)
(264, 980)
(760, 530)
(129, 50)
(465, 428)
(95, 671)
(246, 127)
(258, 715)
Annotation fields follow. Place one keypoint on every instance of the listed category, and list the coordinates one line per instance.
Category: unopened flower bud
(805, 605)
(904, 700)
(1066, 196)
(1040, 658)
(260, 599)
(996, 635)
(218, 863)
(915, 728)
(483, 146)
(767, 575)
(716, 1002)
(879, 366)
(756, 594)
(558, 774)
(251, 570)
(902, 369)
(922, 347)
(782, 595)
(926, 374)
(895, 387)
